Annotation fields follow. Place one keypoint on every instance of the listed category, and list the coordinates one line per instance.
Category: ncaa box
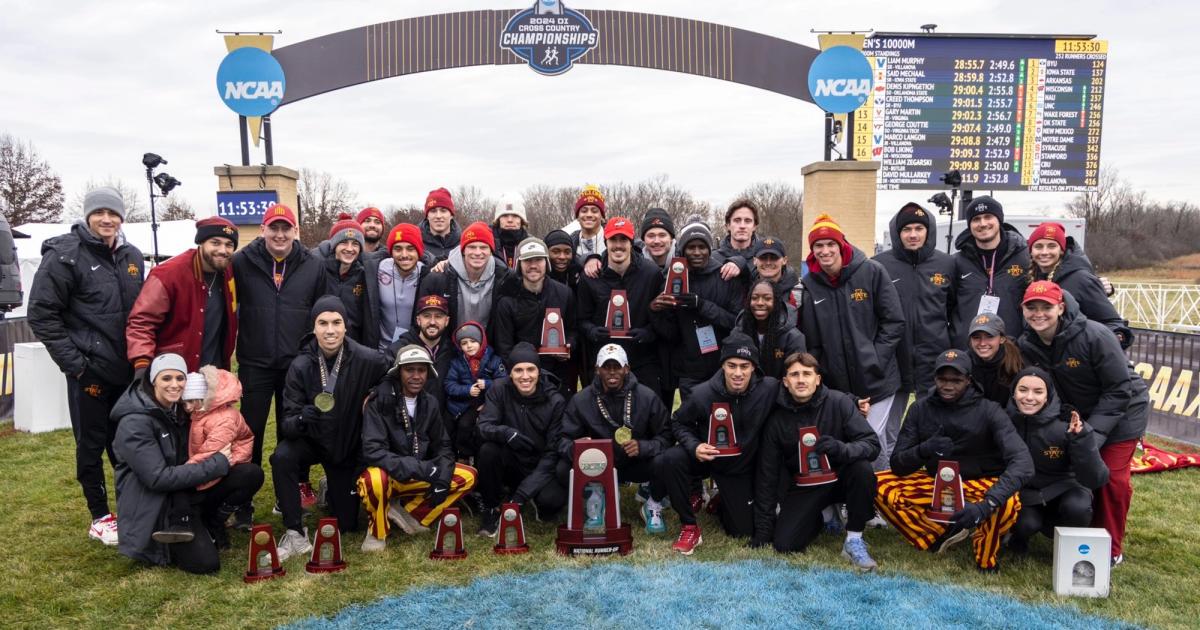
(1082, 561)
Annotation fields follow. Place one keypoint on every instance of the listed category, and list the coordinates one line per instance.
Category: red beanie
(370, 212)
(439, 198)
(406, 233)
(590, 196)
(1052, 231)
(477, 232)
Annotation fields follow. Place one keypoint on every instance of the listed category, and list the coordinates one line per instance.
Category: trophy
(263, 563)
(554, 336)
(511, 539)
(617, 320)
(720, 431)
(814, 467)
(327, 549)
(449, 534)
(593, 508)
(947, 492)
(677, 277)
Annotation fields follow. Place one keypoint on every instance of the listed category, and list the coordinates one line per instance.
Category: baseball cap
(989, 323)
(1045, 291)
(531, 248)
(772, 245)
(957, 359)
(279, 212)
(612, 352)
(435, 302)
(618, 226)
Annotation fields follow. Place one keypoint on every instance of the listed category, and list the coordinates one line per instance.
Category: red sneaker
(689, 539)
(308, 498)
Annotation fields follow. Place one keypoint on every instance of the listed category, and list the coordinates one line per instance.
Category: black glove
(520, 443)
(833, 448)
(641, 335)
(757, 542)
(938, 445)
(598, 334)
(688, 300)
(437, 492)
(972, 514)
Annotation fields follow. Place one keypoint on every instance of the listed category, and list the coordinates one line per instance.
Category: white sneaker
(405, 521)
(293, 543)
(878, 522)
(104, 529)
(371, 544)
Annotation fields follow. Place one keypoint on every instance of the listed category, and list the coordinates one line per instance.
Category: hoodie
(469, 300)
(971, 280)
(218, 422)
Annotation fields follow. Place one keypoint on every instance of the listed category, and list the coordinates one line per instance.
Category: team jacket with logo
(971, 281)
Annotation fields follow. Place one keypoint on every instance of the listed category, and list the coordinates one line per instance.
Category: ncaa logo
(839, 79)
(250, 81)
(549, 37)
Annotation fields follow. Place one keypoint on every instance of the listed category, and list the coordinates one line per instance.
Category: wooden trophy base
(560, 351)
(619, 334)
(728, 451)
(577, 542)
(814, 479)
(937, 516)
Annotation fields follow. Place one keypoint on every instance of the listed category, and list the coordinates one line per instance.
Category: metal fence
(1159, 306)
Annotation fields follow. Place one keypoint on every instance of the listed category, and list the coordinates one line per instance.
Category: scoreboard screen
(1010, 113)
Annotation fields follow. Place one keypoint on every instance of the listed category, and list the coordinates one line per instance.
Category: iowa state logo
(549, 36)
(1015, 271)
(1053, 452)
(1072, 362)
(859, 295)
(938, 279)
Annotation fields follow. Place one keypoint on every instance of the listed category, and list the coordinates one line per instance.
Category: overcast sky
(95, 85)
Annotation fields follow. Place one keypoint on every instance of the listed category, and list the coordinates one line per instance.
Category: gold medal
(623, 435)
(324, 402)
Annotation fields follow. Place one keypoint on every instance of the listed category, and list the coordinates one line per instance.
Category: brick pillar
(280, 179)
(845, 190)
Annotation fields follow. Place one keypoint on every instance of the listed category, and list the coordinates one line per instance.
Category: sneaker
(308, 498)
(1118, 559)
(953, 535)
(104, 529)
(652, 516)
(643, 493)
(242, 519)
(689, 539)
(323, 493)
(835, 525)
(405, 521)
(172, 535)
(489, 522)
(855, 550)
(697, 501)
(371, 544)
(877, 522)
(293, 543)
(472, 504)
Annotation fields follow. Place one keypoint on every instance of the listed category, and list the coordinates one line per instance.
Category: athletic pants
(291, 460)
(877, 417)
(377, 489)
(498, 467)
(894, 420)
(1113, 498)
(259, 387)
(800, 521)
(1072, 508)
(92, 400)
(679, 469)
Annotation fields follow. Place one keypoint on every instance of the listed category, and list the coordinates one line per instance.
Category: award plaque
(617, 320)
(947, 493)
(263, 563)
(593, 506)
(677, 277)
(814, 467)
(511, 539)
(327, 549)
(449, 542)
(721, 433)
(554, 336)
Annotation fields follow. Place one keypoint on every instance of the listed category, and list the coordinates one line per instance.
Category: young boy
(471, 374)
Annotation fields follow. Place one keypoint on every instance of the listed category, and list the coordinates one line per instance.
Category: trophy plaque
(511, 539)
(554, 336)
(449, 542)
(677, 277)
(327, 549)
(593, 507)
(721, 433)
(814, 467)
(617, 321)
(263, 563)
(947, 492)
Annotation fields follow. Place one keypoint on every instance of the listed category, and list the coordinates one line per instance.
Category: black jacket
(151, 444)
(986, 375)
(743, 258)
(519, 316)
(1074, 274)
(1061, 460)
(388, 443)
(782, 338)
(749, 410)
(648, 418)
(924, 282)
(350, 288)
(834, 414)
(80, 300)
(337, 433)
(538, 417)
(853, 328)
(1092, 374)
(439, 246)
(718, 306)
(971, 281)
(506, 245)
(642, 282)
(985, 444)
(442, 354)
(272, 322)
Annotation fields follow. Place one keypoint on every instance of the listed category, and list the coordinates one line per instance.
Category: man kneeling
(955, 422)
(845, 439)
(411, 476)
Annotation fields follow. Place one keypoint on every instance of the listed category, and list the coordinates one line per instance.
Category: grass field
(1181, 270)
(54, 577)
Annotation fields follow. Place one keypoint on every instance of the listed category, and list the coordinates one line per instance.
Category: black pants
(91, 400)
(236, 487)
(679, 470)
(800, 521)
(463, 433)
(1072, 508)
(259, 386)
(498, 468)
(291, 459)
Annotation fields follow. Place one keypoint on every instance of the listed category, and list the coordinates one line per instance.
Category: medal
(324, 402)
(623, 435)
(623, 432)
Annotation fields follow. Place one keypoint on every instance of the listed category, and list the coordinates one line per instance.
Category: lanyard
(991, 269)
(329, 380)
(628, 405)
(277, 273)
(408, 424)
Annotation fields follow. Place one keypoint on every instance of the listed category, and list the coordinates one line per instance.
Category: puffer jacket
(417, 450)
(781, 340)
(1074, 274)
(719, 302)
(272, 321)
(218, 422)
(538, 417)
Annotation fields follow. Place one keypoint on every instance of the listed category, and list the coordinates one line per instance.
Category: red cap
(279, 212)
(1050, 231)
(618, 226)
(406, 233)
(590, 196)
(439, 198)
(477, 232)
(435, 302)
(1045, 291)
(370, 212)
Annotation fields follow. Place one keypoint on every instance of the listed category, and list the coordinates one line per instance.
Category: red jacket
(168, 315)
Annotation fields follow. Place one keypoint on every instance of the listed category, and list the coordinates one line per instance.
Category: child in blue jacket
(471, 373)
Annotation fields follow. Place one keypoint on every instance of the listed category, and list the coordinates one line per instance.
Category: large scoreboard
(1009, 112)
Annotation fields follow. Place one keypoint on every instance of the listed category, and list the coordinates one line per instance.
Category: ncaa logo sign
(250, 81)
(839, 79)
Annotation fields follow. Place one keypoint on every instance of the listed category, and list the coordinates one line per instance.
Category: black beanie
(657, 218)
(913, 213)
(557, 237)
(523, 352)
(738, 345)
(327, 304)
(985, 205)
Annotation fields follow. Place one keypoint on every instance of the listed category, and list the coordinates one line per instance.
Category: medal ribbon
(628, 409)
(408, 425)
(329, 380)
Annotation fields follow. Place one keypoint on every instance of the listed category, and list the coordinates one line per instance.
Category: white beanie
(510, 204)
(196, 388)
(168, 361)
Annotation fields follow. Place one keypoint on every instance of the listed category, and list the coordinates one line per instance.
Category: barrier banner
(12, 331)
(1170, 364)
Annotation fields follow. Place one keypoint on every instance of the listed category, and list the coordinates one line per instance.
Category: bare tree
(470, 205)
(551, 207)
(175, 208)
(322, 197)
(135, 209)
(30, 192)
(780, 212)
